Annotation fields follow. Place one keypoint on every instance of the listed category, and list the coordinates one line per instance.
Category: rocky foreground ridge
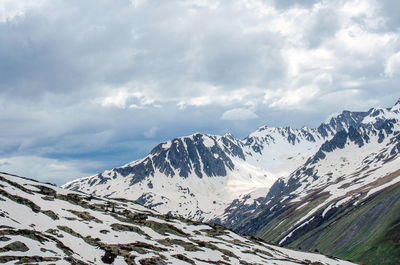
(43, 224)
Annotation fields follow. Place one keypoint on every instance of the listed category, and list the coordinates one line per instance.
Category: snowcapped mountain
(343, 200)
(195, 177)
(44, 224)
(200, 176)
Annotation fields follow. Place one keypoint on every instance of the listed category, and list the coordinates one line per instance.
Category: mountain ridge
(209, 172)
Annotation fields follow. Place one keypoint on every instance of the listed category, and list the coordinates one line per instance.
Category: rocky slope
(40, 223)
(344, 200)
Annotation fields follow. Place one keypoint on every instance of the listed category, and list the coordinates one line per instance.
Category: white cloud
(138, 3)
(295, 98)
(352, 83)
(117, 100)
(195, 101)
(300, 60)
(10, 9)
(124, 98)
(135, 106)
(299, 91)
(392, 66)
(58, 166)
(356, 39)
(238, 114)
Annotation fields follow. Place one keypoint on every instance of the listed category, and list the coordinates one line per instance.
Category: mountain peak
(229, 136)
(396, 106)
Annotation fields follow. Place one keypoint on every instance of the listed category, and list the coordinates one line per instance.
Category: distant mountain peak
(396, 107)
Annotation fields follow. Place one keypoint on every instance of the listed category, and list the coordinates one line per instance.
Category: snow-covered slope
(281, 150)
(40, 223)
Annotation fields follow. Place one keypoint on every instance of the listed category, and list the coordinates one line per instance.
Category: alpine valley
(334, 188)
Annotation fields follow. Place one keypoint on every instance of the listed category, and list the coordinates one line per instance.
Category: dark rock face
(291, 137)
(144, 198)
(359, 136)
(257, 148)
(356, 137)
(184, 156)
(276, 188)
(232, 148)
(343, 121)
(144, 168)
(188, 155)
(308, 135)
(102, 179)
(338, 141)
(108, 257)
(160, 160)
(238, 211)
(194, 157)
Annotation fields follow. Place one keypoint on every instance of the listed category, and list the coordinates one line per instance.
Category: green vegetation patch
(51, 214)
(186, 245)
(368, 233)
(275, 230)
(165, 229)
(15, 246)
(26, 260)
(127, 228)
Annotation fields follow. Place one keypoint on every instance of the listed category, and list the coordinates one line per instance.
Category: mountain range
(334, 188)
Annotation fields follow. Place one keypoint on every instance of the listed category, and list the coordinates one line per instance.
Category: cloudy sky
(94, 84)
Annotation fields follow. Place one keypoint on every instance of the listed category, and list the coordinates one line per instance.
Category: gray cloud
(89, 85)
(284, 4)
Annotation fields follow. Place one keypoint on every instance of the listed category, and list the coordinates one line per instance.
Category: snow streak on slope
(44, 224)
